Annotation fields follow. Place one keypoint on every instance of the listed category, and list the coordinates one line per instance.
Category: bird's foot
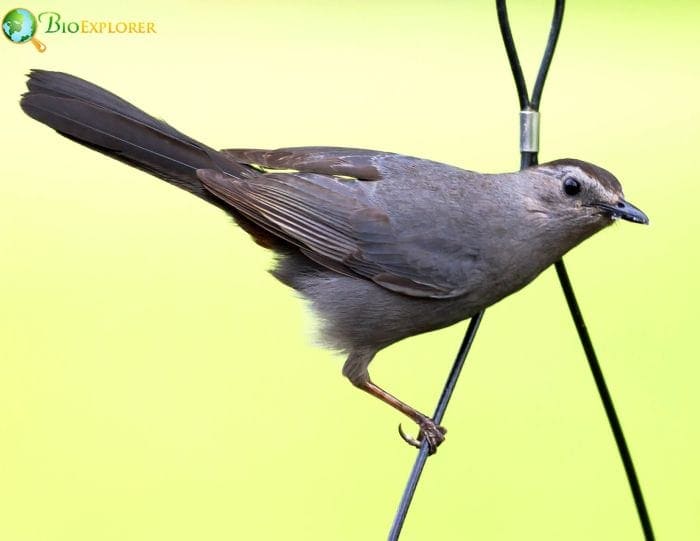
(429, 431)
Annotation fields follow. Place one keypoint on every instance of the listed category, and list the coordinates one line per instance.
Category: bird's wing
(331, 219)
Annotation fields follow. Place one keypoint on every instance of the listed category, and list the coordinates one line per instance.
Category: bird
(383, 246)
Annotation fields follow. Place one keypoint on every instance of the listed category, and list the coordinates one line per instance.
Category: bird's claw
(433, 434)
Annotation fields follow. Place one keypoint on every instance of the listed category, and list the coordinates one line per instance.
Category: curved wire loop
(527, 103)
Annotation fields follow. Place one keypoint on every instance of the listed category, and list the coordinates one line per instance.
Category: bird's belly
(356, 313)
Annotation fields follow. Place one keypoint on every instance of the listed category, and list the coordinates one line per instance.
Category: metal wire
(606, 399)
(439, 414)
(529, 158)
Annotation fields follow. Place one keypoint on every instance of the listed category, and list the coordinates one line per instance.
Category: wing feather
(331, 219)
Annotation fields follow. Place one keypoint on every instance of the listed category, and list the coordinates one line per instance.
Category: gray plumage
(384, 246)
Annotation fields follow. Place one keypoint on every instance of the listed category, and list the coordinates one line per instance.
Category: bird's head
(566, 201)
(581, 194)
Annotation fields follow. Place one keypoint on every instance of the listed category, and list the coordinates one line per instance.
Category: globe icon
(19, 26)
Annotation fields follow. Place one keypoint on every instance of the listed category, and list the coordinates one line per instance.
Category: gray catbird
(384, 246)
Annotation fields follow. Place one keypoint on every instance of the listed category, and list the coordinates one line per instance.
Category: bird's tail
(100, 120)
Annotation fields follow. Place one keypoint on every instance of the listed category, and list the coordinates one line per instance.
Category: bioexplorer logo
(20, 26)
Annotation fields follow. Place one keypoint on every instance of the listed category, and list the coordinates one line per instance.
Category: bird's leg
(355, 369)
(434, 434)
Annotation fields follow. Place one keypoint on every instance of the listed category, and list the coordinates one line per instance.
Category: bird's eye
(571, 186)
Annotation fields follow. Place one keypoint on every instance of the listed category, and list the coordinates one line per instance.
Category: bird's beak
(626, 211)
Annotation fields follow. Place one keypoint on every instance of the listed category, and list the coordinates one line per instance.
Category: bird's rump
(357, 163)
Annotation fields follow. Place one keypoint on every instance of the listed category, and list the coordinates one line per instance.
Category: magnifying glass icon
(19, 26)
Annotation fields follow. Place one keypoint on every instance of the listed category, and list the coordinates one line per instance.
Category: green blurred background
(157, 383)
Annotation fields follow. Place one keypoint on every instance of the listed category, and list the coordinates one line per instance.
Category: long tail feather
(100, 120)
